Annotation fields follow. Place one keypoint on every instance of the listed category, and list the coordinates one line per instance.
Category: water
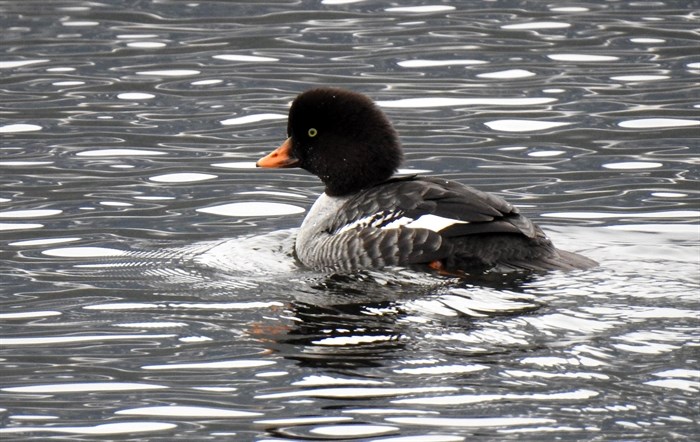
(148, 288)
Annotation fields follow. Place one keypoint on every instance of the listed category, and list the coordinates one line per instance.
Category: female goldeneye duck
(367, 219)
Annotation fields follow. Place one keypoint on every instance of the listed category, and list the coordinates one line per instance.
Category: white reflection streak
(253, 209)
(253, 119)
(476, 398)
(470, 422)
(19, 63)
(75, 339)
(211, 365)
(187, 411)
(355, 392)
(446, 101)
(104, 429)
(84, 387)
(19, 127)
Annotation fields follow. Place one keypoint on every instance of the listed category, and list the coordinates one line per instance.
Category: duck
(369, 218)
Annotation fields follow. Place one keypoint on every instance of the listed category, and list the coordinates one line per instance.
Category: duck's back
(410, 221)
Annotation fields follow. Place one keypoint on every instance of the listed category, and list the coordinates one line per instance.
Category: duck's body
(368, 220)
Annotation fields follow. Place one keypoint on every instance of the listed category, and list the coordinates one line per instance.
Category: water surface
(148, 289)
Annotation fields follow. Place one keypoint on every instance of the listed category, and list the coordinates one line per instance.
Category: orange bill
(280, 157)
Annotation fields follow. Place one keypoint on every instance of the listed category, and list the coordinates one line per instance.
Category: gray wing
(389, 224)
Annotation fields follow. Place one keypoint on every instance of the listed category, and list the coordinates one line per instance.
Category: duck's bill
(280, 157)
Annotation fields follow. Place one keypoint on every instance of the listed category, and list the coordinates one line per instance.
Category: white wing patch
(378, 220)
(434, 223)
(394, 220)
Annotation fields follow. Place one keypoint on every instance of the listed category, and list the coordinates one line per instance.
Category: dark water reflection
(148, 290)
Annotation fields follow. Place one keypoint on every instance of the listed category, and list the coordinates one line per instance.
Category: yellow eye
(312, 132)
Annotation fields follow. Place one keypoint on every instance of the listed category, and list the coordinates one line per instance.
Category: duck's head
(340, 136)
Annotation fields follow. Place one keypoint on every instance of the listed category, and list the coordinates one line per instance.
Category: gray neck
(315, 226)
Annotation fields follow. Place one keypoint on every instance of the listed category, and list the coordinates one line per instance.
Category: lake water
(148, 290)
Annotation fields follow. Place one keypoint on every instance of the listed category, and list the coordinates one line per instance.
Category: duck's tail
(557, 260)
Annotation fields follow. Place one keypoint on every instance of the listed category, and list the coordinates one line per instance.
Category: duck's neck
(318, 222)
(350, 185)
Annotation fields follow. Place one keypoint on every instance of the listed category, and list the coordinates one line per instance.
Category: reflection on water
(149, 288)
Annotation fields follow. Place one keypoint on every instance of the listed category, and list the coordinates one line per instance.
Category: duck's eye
(312, 132)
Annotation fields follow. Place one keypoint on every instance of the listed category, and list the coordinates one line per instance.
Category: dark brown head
(340, 136)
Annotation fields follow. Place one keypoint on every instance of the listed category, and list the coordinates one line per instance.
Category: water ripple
(144, 249)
